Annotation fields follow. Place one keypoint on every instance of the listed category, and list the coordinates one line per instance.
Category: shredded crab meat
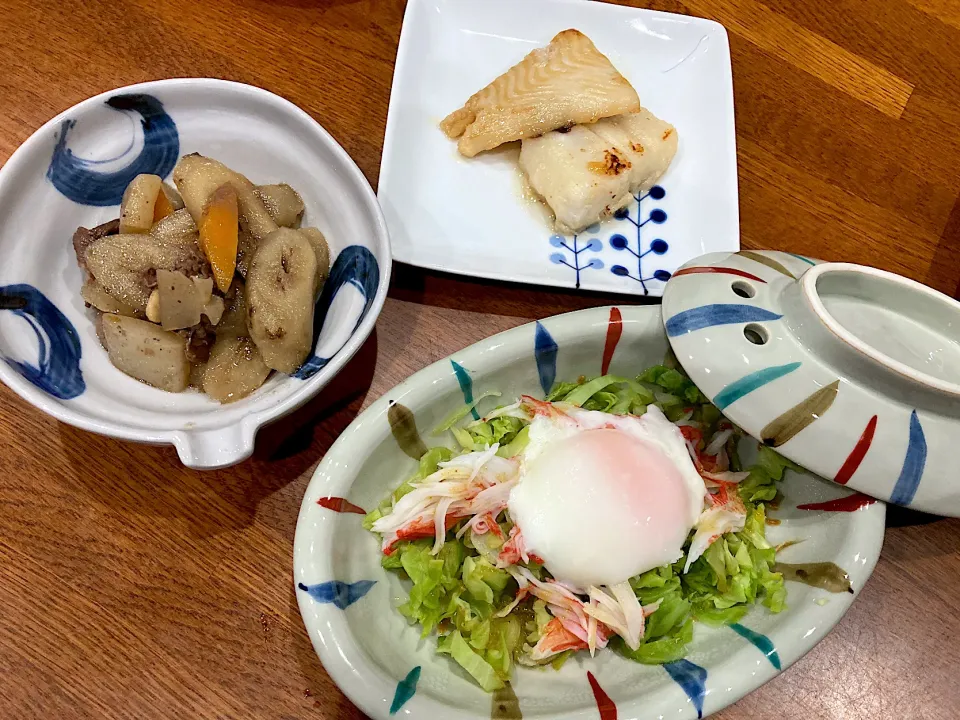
(556, 638)
(692, 436)
(727, 514)
(724, 511)
(470, 485)
(718, 479)
(439, 523)
(485, 523)
(607, 610)
(718, 441)
(619, 613)
(515, 550)
(617, 608)
(716, 463)
(553, 410)
(650, 608)
(563, 605)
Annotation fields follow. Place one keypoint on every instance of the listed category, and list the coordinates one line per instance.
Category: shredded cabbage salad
(494, 605)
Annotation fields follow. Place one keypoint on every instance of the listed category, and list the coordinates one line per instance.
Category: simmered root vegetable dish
(210, 284)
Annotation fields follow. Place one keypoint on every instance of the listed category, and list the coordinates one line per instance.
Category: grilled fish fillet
(565, 83)
(579, 174)
(648, 142)
(589, 171)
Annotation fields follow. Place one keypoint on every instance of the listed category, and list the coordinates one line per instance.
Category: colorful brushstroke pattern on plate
(348, 292)
(58, 346)
(689, 676)
(759, 641)
(580, 254)
(338, 593)
(546, 345)
(692, 678)
(85, 183)
(406, 689)
(698, 310)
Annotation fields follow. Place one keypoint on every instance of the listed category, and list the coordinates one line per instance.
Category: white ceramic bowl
(72, 171)
(852, 372)
(348, 601)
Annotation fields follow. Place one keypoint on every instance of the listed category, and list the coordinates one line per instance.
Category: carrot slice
(218, 234)
(163, 207)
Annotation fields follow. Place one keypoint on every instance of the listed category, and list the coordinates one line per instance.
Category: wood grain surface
(132, 587)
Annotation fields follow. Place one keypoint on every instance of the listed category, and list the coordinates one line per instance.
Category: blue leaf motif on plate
(658, 247)
(579, 256)
(58, 365)
(79, 179)
(576, 248)
(356, 266)
(338, 593)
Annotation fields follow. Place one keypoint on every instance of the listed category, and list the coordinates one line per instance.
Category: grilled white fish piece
(580, 175)
(649, 143)
(588, 172)
(565, 83)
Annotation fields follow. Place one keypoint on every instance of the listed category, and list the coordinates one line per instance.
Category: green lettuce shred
(607, 393)
(517, 445)
(503, 430)
(471, 661)
(662, 650)
(735, 572)
(461, 412)
(458, 592)
(761, 486)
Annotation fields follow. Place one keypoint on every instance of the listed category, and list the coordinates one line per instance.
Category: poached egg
(601, 497)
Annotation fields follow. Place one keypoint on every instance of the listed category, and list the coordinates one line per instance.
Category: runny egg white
(602, 498)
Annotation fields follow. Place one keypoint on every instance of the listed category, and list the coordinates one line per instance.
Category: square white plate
(469, 216)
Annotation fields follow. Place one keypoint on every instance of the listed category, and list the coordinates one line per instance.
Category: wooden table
(132, 587)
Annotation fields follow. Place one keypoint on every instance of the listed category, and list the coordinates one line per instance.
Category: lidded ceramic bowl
(850, 371)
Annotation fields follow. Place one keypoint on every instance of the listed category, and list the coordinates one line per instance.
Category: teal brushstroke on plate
(801, 257)
(466, 386)
(760, 641)
(748, 383)
(406, 689)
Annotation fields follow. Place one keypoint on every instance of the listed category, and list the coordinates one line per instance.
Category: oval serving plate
(348, 601)
(73, 170)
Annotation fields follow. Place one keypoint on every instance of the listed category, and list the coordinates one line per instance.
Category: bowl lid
(850, 371)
